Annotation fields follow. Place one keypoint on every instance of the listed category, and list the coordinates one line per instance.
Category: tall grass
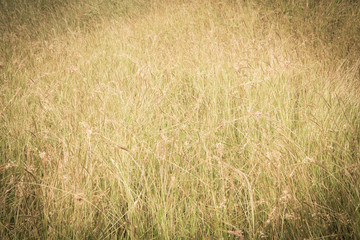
(179, 119)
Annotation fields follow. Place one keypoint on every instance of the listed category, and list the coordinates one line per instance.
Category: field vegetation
(192, 119)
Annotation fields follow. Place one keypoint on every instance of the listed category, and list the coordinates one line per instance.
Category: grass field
(192, 119)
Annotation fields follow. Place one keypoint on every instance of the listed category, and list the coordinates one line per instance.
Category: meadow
(191, 119)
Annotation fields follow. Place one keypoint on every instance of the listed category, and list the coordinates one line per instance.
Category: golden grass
(189, 119)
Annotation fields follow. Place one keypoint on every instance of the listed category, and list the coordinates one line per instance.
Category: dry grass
(171, 120)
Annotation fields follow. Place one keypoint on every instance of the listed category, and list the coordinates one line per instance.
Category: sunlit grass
(178, 120)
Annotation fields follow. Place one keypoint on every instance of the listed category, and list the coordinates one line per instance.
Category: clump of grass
(193, 119)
